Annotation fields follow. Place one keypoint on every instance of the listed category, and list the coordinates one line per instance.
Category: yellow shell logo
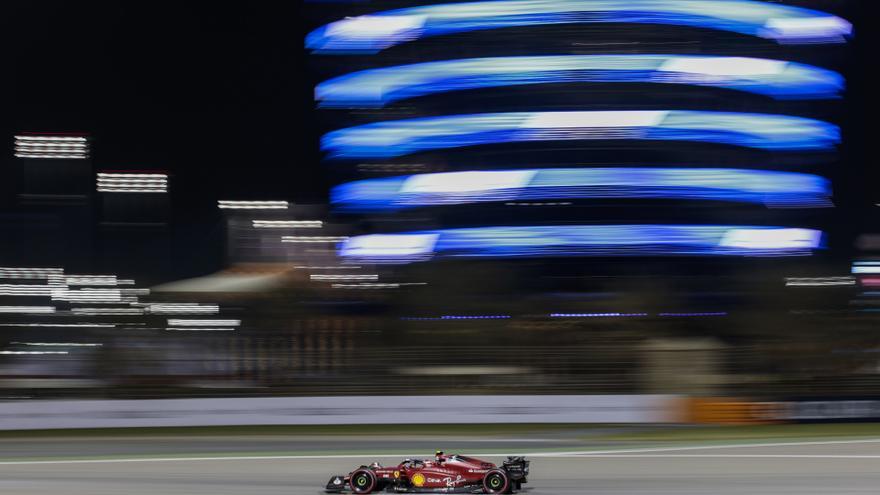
(418, 479)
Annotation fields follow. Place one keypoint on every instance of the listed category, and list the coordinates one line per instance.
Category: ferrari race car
(443, 474)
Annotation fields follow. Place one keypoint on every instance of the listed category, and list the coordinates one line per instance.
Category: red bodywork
(448, 472)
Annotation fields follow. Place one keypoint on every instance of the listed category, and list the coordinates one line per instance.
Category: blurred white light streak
(27, 309)
(48, 147)
(798, 28)
(199, 329)
(335, 278)
(26, 290)
(32, 352)
(60, 325)
(91, 280)
(288, 224)
(182, 308)
(50, 139)
(253, 205)
(132, 182)
(313, 239)
(866, 267)
(56, 344)
(107, 311)
(819, 281)
(135, 292)
(87, 295)
(771, 238)
(130, 190)
(456, 182)
(74, 147)
(365, 286)
(406, 245)
(10, 272)
(376, 25)
(724, 66)
(46, 155)
(202, 323)
(563, 120)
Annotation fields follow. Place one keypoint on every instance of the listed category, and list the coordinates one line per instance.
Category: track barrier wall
(457, 409)
(445, 409)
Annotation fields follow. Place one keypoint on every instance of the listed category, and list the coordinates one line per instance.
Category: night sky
(212, 93)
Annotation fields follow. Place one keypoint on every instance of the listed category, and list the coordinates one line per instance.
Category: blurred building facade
(611, 205)
(480, 150)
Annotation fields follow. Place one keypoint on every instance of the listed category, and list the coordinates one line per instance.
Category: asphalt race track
(827, 468)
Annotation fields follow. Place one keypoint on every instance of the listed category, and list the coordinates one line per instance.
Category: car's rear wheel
(496, 481)
(363, 481)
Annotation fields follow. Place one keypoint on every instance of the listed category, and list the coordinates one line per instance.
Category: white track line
(734, 456)
(711, 447)
(584, 454)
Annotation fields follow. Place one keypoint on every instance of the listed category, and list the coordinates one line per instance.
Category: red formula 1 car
(443, 474)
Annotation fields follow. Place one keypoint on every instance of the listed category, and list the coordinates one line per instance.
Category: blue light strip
(375, 32)
(379, 87)
(456, 317)
(582, 240)
(597, 315)
(402, 137)
(774, 189)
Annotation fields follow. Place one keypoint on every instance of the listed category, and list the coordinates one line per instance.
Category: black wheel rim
(361, 482)
(495, 482)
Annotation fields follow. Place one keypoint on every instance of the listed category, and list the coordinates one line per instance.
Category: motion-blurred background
(505, 198)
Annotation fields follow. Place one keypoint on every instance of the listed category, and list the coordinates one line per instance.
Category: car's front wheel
(496, 481)
(363, 481)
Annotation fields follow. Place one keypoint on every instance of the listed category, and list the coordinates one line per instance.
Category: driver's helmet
(376, 465)
(438, 456)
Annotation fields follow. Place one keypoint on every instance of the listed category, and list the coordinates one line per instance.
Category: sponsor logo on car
(418, 480)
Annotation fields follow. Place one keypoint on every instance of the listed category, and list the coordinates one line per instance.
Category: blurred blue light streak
(596, 315)
(775, 78)
(582, 240)
(378, 31)
(776, 189)
(401, 137)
